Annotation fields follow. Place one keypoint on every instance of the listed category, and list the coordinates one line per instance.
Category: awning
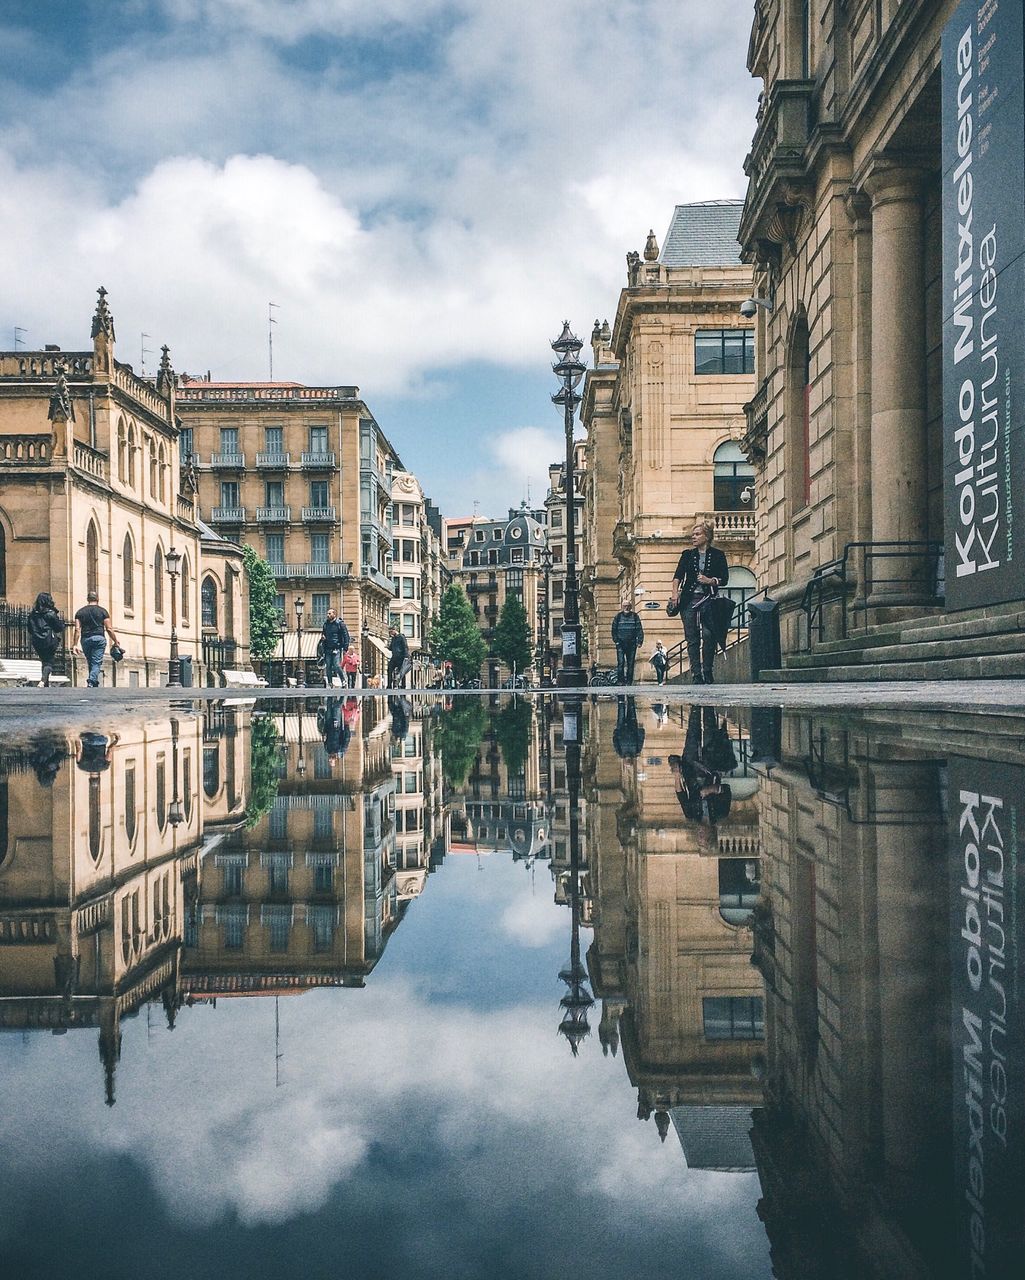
(378, 644)
(310, 641)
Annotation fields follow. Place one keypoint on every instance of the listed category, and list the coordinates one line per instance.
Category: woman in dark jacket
(46, 631)
(701, 572)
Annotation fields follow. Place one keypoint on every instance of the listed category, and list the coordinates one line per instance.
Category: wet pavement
(484, 986)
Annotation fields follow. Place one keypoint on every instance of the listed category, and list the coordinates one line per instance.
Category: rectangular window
(274, 440)
(556, 517)
(514, 579)
(229, 493)
(323, 824)
(724, 351)
(185, 445)
(517, 555)
(318, 440)
(319, 493)
(321, 602)
(279, 822)
(275, 548)
(733, 1018)
(408, 514)
(275, 491)
(408, 587)
(279, 603)
(408, 625)
(320, 548)
(229, 440)
(232, 881)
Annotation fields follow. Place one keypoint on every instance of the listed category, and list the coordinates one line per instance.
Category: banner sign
(983, 209)
(987, 930)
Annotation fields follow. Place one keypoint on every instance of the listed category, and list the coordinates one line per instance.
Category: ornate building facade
(663, 412)
(417, 566)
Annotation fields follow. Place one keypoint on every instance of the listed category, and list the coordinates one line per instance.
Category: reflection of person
(697, 773)
(45, 630)
(627, 634)
(701, 571)
(335, 635)
(92, 626)
(94, 751)
(351, 712)
(337, 734)
(49, 751)
(628, 735)
(400, 709)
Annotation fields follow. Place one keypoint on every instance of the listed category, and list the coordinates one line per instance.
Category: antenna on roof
(144, 351)
(528, 491)
(19, 336)
(271, 322)
(476, 508)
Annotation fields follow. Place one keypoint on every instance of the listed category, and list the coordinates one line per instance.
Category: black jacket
(399, 648)
(336, 635)
(46, 629)
(627, 629)
(687, 571)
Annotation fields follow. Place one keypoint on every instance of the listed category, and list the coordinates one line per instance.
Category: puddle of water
(444, 988)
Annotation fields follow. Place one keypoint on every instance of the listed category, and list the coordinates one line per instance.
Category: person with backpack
(397, 663)
(627, 634)
(45, 631)
(335, 639)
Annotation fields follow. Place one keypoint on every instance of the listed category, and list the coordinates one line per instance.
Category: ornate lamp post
(577, 1000)
(176, 812)
(172, 562)
(300, 675)
(569, 369)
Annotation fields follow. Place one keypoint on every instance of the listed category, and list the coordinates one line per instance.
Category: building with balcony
(417, 567)
(663, 414)
(93, 495)
(304, 475)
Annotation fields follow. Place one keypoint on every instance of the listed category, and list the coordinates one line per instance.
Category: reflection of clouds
(533, 921)
(198, 1109)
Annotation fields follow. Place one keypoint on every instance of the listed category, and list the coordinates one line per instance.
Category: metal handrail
(737, 632)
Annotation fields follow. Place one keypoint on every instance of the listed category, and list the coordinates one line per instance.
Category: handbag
(672, 609)
(116, 653)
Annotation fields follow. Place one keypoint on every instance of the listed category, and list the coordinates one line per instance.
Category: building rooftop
(715, 1137)
(703, 235)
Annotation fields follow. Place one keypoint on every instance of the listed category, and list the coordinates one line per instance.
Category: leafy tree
(264, 759)
(512, 642)
(263, 611)
(456, 637)
(460, 732)
(512, 729)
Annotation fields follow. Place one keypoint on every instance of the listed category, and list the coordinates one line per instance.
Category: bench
(25, 671)
(243, 680)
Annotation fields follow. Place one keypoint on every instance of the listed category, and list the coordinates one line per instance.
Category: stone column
(898, 436)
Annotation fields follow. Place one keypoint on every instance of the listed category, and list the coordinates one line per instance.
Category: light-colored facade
(94, 493)
(663, 410)
(304, 475)
(417, 566)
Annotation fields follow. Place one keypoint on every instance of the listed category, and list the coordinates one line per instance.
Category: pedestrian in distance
(627, 634)
(350, 665)
(45, 631)
(398, 662)
(702, 570)
(660, 661)
(336, 640)
(92, 627)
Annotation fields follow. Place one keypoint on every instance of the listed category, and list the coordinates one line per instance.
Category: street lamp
(546, 560)
(300, 675)
(569, 369)
(172, 562)
(577, 1000)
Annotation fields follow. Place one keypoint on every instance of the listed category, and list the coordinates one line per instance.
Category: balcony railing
(228, 461)
(733, 526)
(379, 579)
(31, 449)
(274, 515)
(273, 460)
(319, 515)
(319, 460)
(228, 515)
(186, 507)
(334, 569)
(89, 460)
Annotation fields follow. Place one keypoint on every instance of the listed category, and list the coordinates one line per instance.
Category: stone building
(304, 475)
(663, 413)
(844, 223)
(493, 559)
(94, 493)
(418, 570)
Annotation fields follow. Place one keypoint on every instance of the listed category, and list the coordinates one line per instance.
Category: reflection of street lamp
(577, 1000)
(175, 814)
(300, 675)
(569, 369)
(300, 764)
(172, 562)
(544, 660)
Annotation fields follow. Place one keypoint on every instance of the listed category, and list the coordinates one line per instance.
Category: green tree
(264, 760)
(512, 729)
(263, 610)
(460, 732)
(456, 637)
(512, 636)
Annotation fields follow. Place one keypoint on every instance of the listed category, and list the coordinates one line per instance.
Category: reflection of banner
(983, 204)
(987, 1014)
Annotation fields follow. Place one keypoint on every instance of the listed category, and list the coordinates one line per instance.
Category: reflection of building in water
(99, 851)
(553, 763)
(418, 802)
(307, 895)
(866, 1148)
(672, 945)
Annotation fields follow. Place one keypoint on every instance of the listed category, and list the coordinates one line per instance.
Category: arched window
(733, 478)
(92, 558)
(122, 451)
(211, 771)
(742, 586)
(799, 414)
(131, 455)
(161, 792)
(208, 602)
(95, 818)
(739, 889)
(3, 561)
(162, 473)
(131, 802)
(128, 572)
(158, 581)
(229, 605)
(152, 469)
(186, 590)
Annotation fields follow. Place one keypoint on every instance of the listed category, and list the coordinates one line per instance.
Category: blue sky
(427, 188)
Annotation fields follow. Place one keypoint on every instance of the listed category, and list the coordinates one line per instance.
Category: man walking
(399, 650)
(92, 626)
(336, 642)
(627, 634)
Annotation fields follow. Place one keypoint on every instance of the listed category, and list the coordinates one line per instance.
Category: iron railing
(219, 654)
(679, 662)
(16, 641)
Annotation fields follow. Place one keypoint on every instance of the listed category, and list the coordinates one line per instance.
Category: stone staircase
(935, 647)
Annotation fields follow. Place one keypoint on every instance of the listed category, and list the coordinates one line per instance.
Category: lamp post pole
(172, 561)
(545, 658)
(300, 675)
(569, 369)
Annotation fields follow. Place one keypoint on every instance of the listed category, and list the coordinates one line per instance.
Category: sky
(425, 188)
